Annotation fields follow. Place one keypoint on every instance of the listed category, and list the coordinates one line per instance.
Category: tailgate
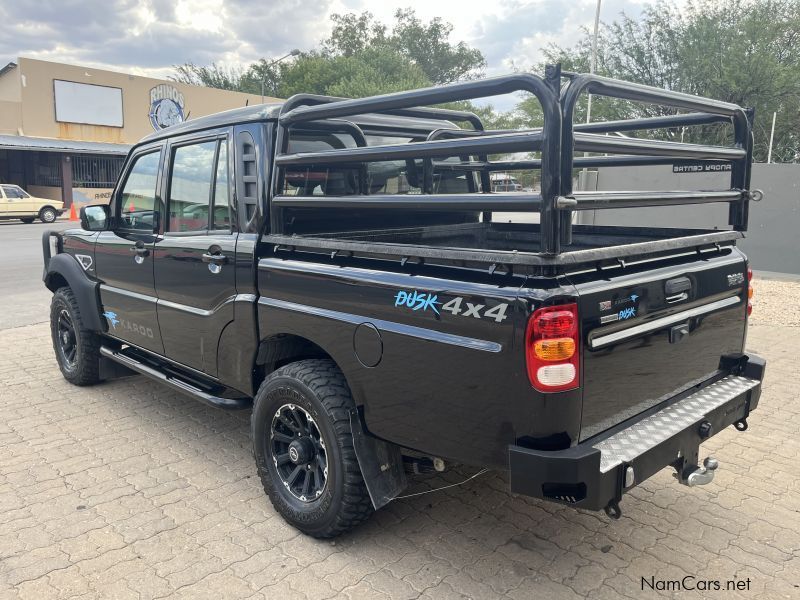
(656, 329)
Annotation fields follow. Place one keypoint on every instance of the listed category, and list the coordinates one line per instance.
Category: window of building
(45, 169)
(94, 171)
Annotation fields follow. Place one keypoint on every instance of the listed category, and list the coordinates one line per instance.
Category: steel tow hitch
(702, 475)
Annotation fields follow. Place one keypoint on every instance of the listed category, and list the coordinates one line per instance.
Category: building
(65, 129)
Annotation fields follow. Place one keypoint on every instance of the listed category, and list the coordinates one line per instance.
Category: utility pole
(294, 52)
(771, 137)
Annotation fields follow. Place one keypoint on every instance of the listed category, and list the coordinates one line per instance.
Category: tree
(361, 57)
(374, 70)
(426, 46)
(741, 51)
(216, 76)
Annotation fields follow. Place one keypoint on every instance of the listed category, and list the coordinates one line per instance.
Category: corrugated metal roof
(8, 67)
(24, 142)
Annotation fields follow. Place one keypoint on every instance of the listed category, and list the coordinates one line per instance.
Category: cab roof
(271, 111)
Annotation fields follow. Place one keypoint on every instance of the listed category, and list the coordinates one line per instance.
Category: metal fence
(93, 171)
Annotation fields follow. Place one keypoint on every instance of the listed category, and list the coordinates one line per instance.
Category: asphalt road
(25, 299)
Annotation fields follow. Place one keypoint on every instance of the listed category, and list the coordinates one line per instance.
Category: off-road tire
(318, 387)
(27, 220)
(48, 215)
(85, 368)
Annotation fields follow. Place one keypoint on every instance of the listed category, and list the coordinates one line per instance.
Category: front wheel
(303, 445)
(77, 349)
(48, 214)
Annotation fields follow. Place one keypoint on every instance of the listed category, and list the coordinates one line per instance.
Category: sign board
(701, 166)
(88, 104)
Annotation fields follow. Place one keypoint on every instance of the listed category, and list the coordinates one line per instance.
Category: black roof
(271, 111)
(246, 114)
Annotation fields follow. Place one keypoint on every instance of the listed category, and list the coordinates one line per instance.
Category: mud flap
(381, 463)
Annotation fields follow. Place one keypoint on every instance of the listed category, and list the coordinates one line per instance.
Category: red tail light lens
(552, 349)
(555, 323)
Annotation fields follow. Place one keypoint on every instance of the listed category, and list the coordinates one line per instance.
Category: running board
(173, 382)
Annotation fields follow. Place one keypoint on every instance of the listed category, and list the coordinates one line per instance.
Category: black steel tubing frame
(711, 111)
(558, 140)
(313, 108)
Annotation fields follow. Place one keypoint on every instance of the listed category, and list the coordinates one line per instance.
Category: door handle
(140, 250)
(215, 259)
(677, 298)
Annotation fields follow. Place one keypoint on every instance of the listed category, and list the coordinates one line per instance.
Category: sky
(148, 37)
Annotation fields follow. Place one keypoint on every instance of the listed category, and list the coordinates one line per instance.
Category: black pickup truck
(341, 267)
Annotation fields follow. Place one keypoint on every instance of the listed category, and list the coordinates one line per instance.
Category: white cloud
(149, 36)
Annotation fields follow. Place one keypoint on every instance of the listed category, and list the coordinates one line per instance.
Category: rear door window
(191, 179)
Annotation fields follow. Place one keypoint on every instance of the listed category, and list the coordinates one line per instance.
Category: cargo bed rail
(550, 150)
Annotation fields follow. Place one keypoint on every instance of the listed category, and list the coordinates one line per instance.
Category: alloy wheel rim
(67, 341)
(298, 452)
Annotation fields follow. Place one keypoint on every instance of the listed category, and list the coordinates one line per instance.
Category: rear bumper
(596, 473)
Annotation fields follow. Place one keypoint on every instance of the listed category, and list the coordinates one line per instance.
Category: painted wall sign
(166, 106)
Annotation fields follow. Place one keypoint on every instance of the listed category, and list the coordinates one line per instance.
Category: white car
(16, 203)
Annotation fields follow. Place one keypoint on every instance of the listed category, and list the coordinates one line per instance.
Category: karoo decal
(629, 312)
(114, 320)
(416, 300)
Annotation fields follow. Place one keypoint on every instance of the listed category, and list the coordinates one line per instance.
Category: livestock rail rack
(551, 149)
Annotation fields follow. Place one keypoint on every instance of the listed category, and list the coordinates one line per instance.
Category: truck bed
(505, 243)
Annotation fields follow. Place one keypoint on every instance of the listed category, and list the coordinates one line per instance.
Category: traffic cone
(73, 216)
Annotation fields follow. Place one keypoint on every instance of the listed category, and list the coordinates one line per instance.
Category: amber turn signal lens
(749, 293)
(557, 349)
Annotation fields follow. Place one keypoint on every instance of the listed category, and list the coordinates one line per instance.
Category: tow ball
(701, 475)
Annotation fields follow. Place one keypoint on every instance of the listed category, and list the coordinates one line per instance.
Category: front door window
(137, 202)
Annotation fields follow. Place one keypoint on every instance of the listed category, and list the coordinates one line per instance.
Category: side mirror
(95, 217)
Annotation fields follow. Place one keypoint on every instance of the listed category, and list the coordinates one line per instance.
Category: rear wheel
(27, 220)
(77, 349)
(303, 447)
(48, 214)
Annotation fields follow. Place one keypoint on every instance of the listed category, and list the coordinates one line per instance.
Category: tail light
(552, 348)
(749, 290)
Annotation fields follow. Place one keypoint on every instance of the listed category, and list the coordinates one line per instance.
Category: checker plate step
(640, 437)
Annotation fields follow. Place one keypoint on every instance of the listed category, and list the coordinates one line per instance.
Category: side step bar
(175, 383)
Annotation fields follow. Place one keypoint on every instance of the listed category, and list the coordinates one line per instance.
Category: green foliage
(375, 70)
(428, 47)
(360, 58)
(741, 51)
(216, 76)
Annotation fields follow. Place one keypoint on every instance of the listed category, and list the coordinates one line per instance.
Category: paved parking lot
(126, 490)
